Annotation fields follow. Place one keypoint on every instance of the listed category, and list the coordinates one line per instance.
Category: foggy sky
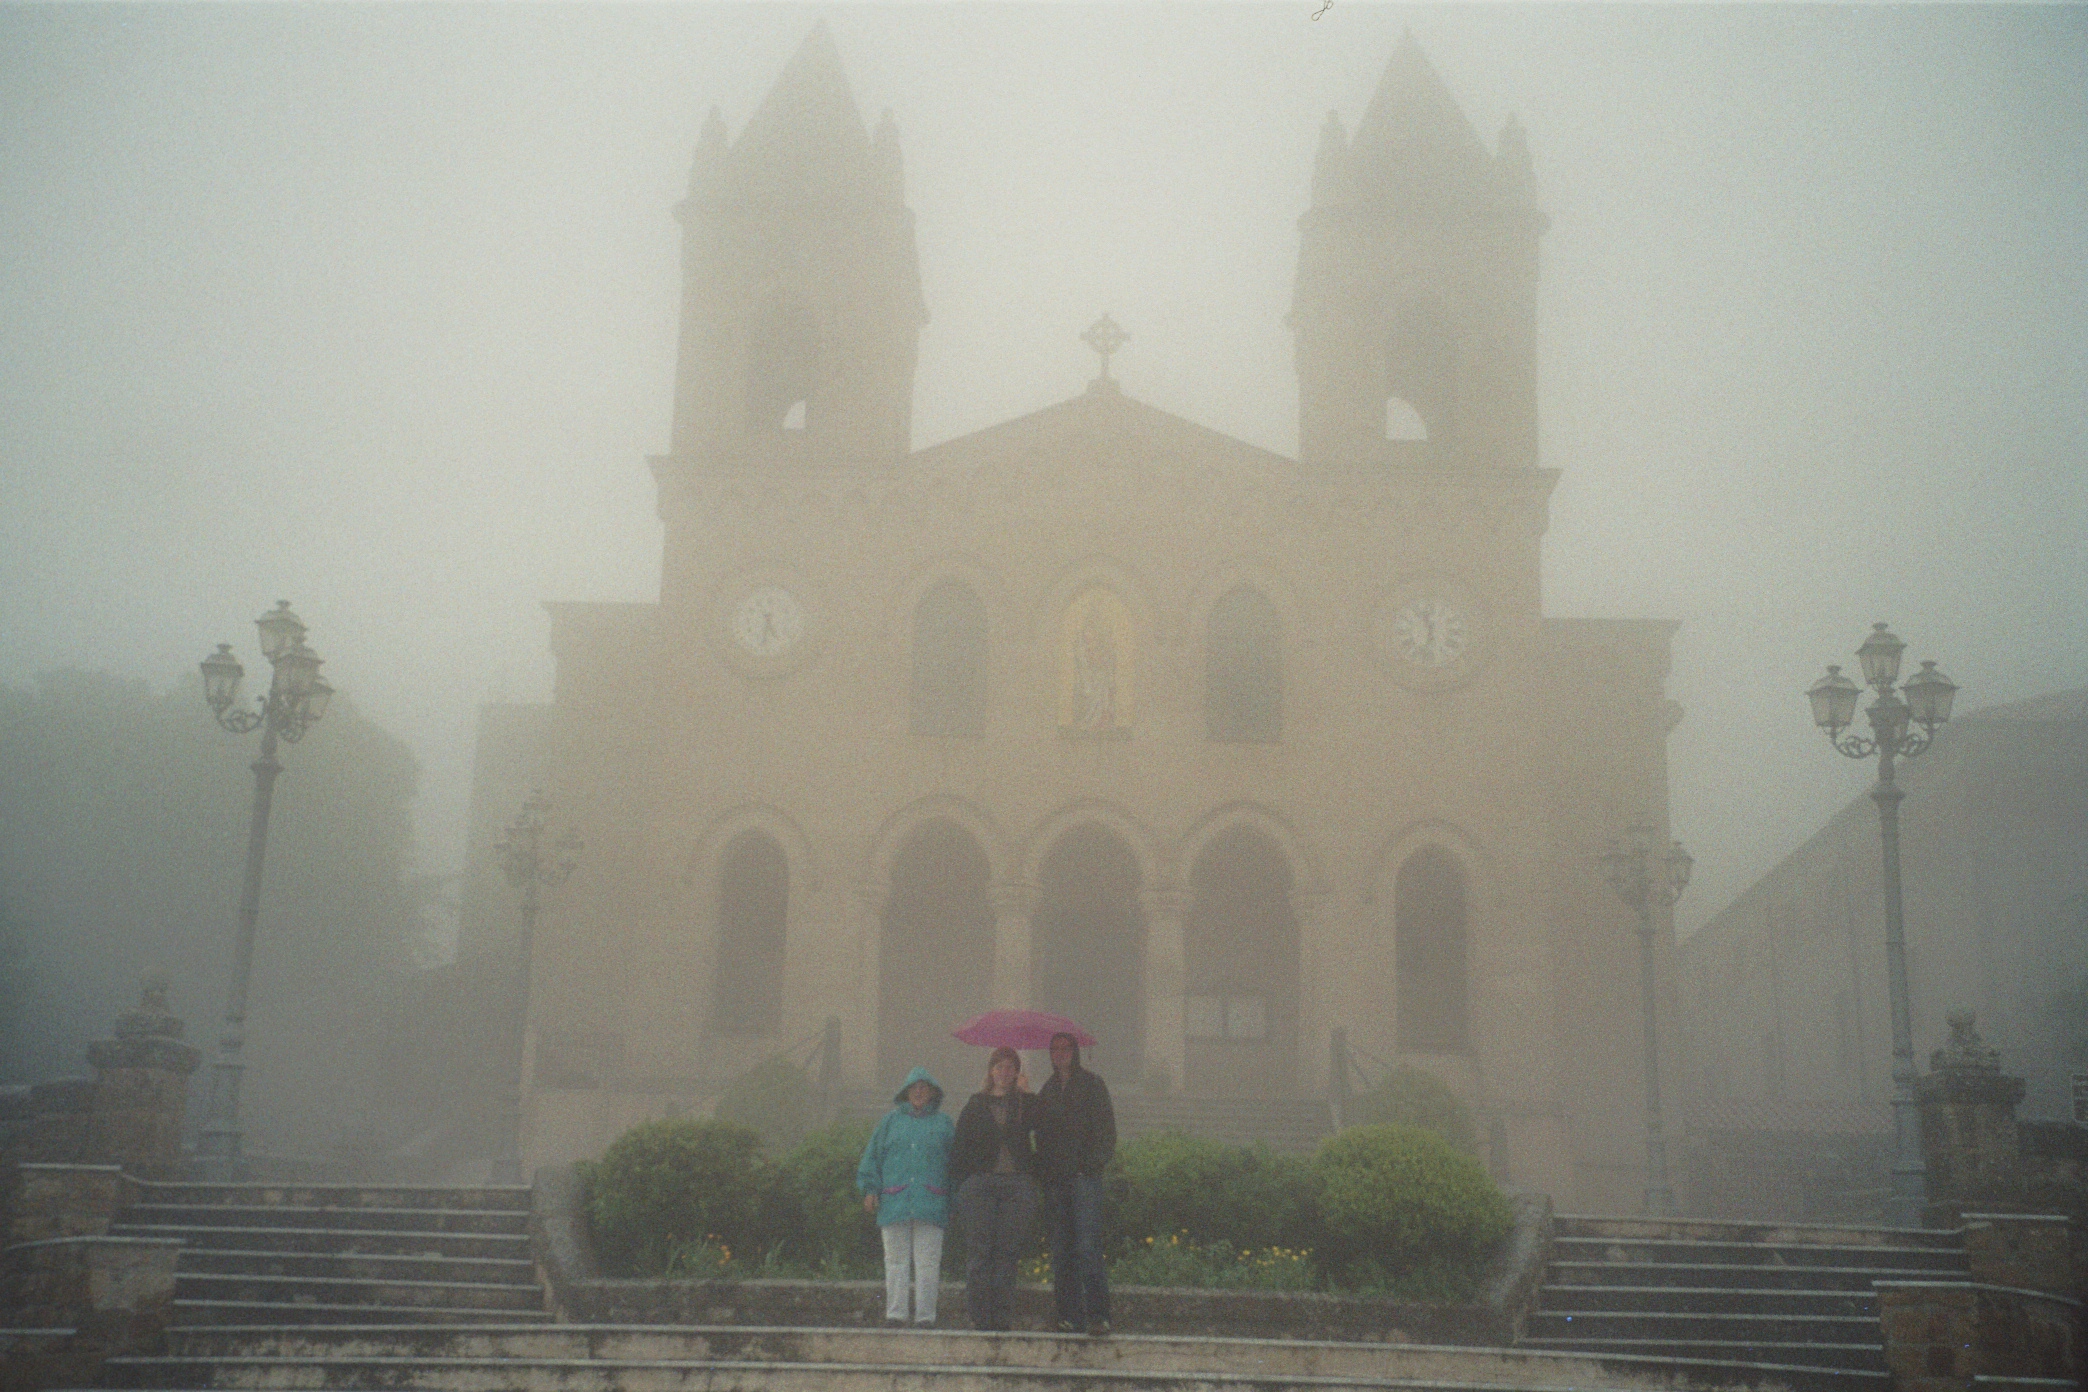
(375, 309)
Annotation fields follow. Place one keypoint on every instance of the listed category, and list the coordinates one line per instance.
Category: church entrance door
(1240, 964)
(1089, 945)
(935, 960)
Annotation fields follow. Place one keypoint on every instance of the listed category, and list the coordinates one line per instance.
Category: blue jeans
(1079, 1283)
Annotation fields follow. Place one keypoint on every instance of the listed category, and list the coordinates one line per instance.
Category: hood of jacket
(1074, 1040)
(921, 1075)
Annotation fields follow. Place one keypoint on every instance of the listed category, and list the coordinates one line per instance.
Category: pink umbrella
(1019, 1029)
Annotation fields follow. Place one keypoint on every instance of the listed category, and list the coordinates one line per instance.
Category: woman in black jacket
(993, 1167)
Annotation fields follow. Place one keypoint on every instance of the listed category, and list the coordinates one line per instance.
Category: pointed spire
(1414, 142)
(806, 138)
(1328, 169)
(889, 169)
(1514, 175)
(710, 155)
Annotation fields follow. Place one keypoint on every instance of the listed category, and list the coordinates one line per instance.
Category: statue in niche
(1095, 665)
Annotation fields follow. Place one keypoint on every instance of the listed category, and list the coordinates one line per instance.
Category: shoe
(1068, 1327)
(1099, 1329)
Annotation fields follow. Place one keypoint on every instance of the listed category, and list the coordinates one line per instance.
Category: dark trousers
(997, 1210)
(1078, 1281)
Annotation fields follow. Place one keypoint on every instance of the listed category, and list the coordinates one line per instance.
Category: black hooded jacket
(1076, 1126)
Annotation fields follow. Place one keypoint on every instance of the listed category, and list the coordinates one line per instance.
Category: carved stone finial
(1966, 1051)
(152, 1019)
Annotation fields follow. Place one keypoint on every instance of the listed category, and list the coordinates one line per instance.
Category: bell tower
(1415, 310)
(801, 289)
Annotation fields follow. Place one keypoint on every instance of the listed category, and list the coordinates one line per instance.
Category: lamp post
(531, 866)
(296, 698)
(1649, 878)
(1923, 699)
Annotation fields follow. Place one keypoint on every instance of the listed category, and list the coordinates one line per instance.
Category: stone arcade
(1098, 710)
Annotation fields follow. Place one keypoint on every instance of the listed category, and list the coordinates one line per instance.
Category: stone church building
(1097, 710)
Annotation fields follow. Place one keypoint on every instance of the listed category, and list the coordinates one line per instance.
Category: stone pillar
(1012, 906)
(1969, 1141)
(141, 1088)
(1164, 976)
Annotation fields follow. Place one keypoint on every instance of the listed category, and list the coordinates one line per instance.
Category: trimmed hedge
(1205, 1192)
(1396, 1200)
(1409, 1096)
(665, 1184)
(1388, 1209)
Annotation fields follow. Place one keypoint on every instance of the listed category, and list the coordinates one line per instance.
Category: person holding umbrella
(904, 1180)
(1076, 1138)
(993, 1165)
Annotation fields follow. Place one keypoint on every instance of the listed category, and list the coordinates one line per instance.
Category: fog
(374, 308)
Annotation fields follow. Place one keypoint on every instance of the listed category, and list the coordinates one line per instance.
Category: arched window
(949, 662)
(1243, 668)
(753, 905)
(1429, 947)
(1420, 374)
(782, 369)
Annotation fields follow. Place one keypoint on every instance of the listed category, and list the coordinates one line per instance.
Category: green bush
(1407, 1096)
(1398, 1205)
(1205, 1192)
(665, 1184)
(819, 1215)
(774, 1098)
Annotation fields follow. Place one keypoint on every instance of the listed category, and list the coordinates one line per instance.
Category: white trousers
(913, 1258)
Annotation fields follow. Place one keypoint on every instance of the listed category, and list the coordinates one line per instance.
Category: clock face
(768, 621)
(1430, 632)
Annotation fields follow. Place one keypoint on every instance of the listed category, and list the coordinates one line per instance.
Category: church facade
(1097, 710)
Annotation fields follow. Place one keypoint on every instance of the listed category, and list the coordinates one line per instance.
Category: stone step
(1692, 1252)
(1689, 1327)
(1710, 1300)
(636, 1359)
(458, 1220)
(246, 1288)
(1654, 1276)
(337, 1241)
(510, 1198)
(190, 1313)
(1720, 1230)
(366, 1266)
(1783, 1355)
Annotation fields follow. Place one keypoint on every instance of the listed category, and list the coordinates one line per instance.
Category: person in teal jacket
(904, 1178)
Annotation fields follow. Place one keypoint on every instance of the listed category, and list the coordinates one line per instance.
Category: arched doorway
(1429, 950)
(1089, 943)
(935, 958)
(1240, 969)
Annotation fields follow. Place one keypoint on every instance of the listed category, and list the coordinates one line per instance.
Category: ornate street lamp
(297, 696)
(1923, 700)
(1650, 878)
(531, 866)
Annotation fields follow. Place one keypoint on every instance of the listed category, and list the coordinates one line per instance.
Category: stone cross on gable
(1105, 338)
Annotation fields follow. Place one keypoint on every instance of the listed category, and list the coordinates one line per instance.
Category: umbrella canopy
(1019, 1029)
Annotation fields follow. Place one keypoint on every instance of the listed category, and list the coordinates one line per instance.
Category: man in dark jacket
(1076, 1136)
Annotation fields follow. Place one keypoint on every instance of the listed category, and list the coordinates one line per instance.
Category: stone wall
(1941, 1335)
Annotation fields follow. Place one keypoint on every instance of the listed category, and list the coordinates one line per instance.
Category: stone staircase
(1786, 1299)
(602, 1358)
(328, 1254)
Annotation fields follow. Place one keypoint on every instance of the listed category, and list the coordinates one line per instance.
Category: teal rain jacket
(907, 1163)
